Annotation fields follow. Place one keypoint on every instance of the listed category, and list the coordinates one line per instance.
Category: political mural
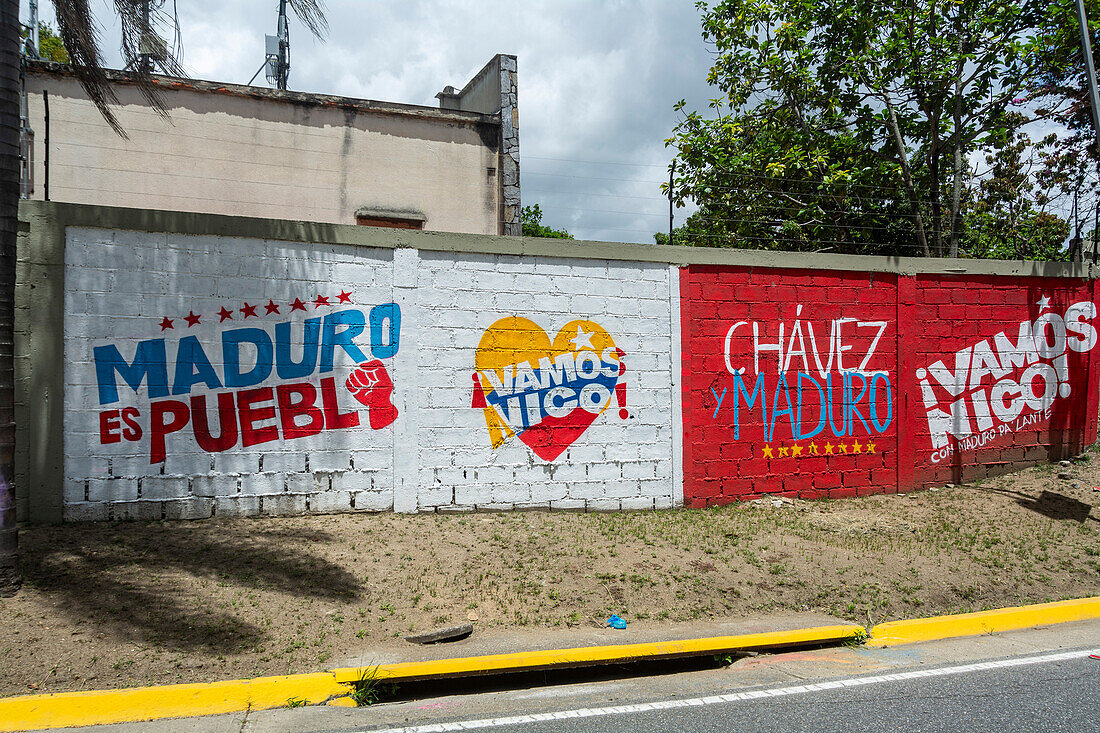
(790, 383)
(1001, 375)
(248, 374)
(546, 393)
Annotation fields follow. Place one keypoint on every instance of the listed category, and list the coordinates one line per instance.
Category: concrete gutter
(69, 709)
(595, 655)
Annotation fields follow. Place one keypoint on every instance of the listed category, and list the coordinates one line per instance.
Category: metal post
(33, 35)
(671, 173)
(145, 64)
(284, 47)
(1090, 71)
(46, 144)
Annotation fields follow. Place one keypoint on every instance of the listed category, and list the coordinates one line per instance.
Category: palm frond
(312, 14)
(80, 34)
(134, 29)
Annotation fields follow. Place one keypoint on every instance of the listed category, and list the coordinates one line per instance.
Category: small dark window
(388, 221)
(370, 216)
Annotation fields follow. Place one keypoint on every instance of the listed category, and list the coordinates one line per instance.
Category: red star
(249, 310)
(321, 300)
(271, 308)
(344, 297)
(225, 314)
(297, 305)
(166, 324)
(191, 319)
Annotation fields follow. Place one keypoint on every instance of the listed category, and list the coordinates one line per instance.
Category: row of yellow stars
(796, 450)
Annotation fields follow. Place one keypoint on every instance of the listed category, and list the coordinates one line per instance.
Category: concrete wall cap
(180, 222)
(365, 106)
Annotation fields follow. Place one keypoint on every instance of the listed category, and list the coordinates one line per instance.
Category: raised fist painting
(371, 385)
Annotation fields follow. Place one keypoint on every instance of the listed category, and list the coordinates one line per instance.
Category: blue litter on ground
(615, 622)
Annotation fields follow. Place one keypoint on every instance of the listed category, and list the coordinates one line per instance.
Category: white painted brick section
(159, 487)
(215, 484)
(327, 502)
(196, 507)
(373, 501)
(119, 287)
(118, 489)
(237, 506)
(606, 461)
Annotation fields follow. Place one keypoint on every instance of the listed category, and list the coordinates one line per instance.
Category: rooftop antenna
(152, 49)
(277, 61)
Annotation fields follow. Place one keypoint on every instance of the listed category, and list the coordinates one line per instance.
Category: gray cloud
(597, 82)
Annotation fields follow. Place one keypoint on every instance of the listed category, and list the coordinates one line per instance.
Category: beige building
(258, 152)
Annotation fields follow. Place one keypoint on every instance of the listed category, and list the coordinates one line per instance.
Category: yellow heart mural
(546, 393)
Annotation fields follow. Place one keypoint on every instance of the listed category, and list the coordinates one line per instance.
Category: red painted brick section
(811, 383)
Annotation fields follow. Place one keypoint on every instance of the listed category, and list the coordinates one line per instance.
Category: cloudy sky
(597, 82)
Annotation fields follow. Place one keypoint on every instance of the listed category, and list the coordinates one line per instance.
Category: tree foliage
(50, 46)
(533, 226)
(856, 125)
(1070, 158)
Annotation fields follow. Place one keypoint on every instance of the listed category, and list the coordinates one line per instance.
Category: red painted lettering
(165, 416)
(109, 427)
(305, 406)
(334, 419)
(227, 423)
(252, 411)
(132, 431)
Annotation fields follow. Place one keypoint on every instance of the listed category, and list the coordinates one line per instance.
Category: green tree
(77, 31)
(1070, 158)
(1006, 217)
(850, 124)
(533, 226)
(50, 46)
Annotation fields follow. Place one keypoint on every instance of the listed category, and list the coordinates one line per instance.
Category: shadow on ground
(1050, 504)
(139, 580)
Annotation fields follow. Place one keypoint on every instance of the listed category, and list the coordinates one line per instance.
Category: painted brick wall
(790, 383)
(1000, 371)
(906, 367)
(124, 289)
(224, 375)
(197, 380)
(493, 312)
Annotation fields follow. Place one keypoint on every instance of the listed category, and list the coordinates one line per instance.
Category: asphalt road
(1058, 695)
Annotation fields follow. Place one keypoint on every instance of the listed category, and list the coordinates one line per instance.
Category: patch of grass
(295, 702)
(857, 640)
(368, 689)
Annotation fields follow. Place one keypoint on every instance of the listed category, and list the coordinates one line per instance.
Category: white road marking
(739, 696)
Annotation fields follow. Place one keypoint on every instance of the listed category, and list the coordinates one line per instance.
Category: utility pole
(145, 56)
(279, 66)
(1094, 97)
(276, 65)
(1090, 70)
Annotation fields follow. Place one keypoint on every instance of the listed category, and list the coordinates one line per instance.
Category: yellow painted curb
(66, 709)
(892, 633)
(584, 656)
